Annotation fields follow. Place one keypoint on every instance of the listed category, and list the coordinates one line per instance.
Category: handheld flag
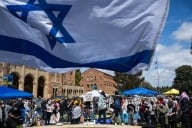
(118, 35)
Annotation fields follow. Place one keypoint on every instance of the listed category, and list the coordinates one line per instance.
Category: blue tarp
(140, 91)
(11, 93)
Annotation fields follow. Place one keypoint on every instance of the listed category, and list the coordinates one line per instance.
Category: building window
(64, 76)
(87, 78)
(54, 92)
(88, 85)
(58, 77)
(52, 77)
(95, 78)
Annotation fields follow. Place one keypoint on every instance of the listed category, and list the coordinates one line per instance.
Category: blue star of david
(48, 9)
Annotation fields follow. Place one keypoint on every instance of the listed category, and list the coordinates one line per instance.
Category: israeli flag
(118, 35)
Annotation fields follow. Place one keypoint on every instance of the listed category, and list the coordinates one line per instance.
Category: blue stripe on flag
(124, 64)
(48, 9)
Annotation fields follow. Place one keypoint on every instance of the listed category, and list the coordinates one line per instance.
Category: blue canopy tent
(140, 91)
(11, 93)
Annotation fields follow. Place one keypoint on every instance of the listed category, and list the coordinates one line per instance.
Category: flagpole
(157, 67)
(158, 79)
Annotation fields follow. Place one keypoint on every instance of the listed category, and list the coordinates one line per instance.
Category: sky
(173, 47)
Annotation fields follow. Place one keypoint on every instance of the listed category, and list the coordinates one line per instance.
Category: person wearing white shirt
(49, 111)
(76, 113)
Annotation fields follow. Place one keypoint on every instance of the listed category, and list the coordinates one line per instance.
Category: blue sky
(180, 11)
(173, 49)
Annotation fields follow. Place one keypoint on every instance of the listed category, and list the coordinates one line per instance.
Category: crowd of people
(161, 111)
(167, 112)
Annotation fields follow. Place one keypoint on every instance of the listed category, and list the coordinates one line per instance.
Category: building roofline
(97, 71)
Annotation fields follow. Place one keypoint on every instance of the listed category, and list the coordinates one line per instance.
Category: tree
(77, 77)
(147, 85)
(183, 79)
(126, 81)
(163, 89)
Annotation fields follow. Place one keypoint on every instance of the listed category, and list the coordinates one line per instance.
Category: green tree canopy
(77, 77)
(126, 81)
(183, 79)
(147, 85)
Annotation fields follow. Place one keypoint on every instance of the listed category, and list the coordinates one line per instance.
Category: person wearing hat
(76, 112)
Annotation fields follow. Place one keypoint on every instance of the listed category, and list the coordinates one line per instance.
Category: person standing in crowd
(147, 115)
(69, 109)
(185, 108)
(28, 113)
(131, 112)
(191, 109)
(49, 111)
(13, 116)
(171, 113)
(142, 107)
(153, 113)
(4, 109)
(38, 103)
(62, 109)
(102, 106)
(124, 111)
(162, 112)
(117, 106)
(44, 109)
(76, 112)
(56, 112)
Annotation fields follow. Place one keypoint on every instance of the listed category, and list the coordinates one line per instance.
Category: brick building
(47, 84)
(39, 82)
(93, 78)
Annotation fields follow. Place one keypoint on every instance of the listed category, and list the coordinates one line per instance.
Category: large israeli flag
(118, 35)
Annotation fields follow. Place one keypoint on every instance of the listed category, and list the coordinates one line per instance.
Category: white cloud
(169, 58)
(184, 32)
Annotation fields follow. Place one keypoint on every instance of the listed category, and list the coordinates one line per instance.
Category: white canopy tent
(90, 95)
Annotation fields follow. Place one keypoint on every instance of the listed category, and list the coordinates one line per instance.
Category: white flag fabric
(118, 35)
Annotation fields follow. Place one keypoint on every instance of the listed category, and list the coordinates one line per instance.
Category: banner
(8, 79)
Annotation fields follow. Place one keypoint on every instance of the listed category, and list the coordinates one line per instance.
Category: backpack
(117, 102)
